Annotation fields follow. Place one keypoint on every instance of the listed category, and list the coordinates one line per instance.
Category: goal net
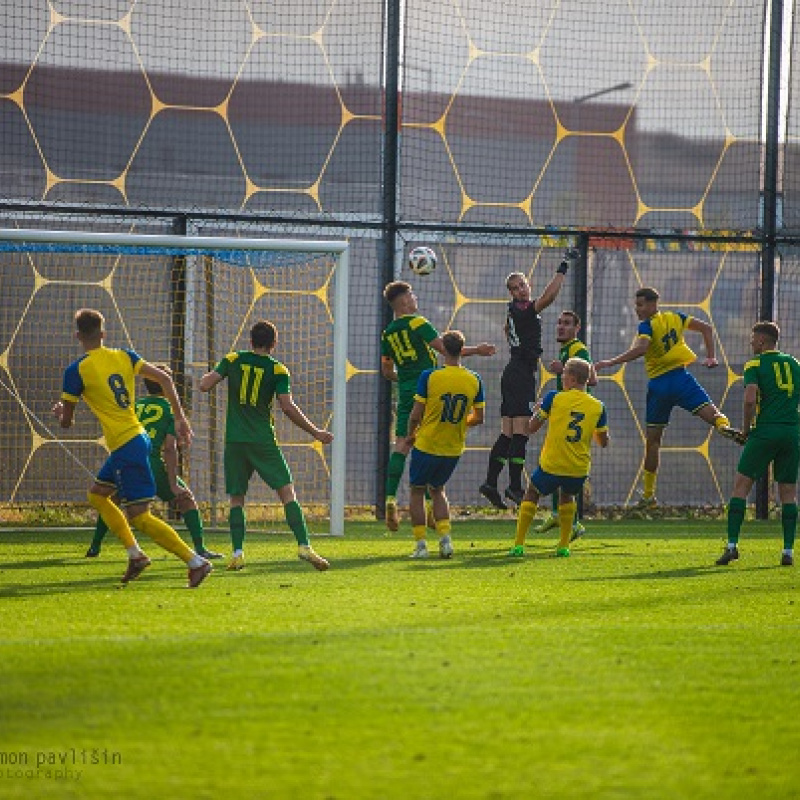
(187, 302)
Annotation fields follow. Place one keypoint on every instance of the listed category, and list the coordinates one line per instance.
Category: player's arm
(707, 333)
(601, 437)
(169, 452)
(546, 298)
(64, 411)
(482, 349)
(210, 380)
(415, 420)
(388, 369)
(749, 406)
(183, 431)
(637, 351)
(475, 417)
(298, 418)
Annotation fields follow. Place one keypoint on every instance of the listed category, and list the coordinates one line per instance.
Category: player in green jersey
(771, 423)
(408, 347)
(568, 327)
(155, 414)
(255, 379)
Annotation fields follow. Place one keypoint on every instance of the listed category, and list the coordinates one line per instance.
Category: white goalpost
(182, 300)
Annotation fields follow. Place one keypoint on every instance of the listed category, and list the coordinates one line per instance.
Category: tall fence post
(770, 194)
(391, 144)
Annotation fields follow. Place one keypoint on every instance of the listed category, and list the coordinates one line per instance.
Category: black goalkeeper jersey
(524, 331)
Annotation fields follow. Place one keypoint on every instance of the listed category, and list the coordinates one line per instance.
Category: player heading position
(104, 377)
(523, 330)
(448, 400)
(567, 328)
(408, 348)
(771, 423)
(575, 418)
(661, 341)
(155, 414)
(255, 379)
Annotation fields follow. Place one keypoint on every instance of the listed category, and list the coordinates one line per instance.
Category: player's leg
(661, 399)
(100, 531)
(538, 486)
(397, 460)
(238, 471)
(737, 505)
(498, 458)
(566, 517)
(418, 473)
(296, 520)
(785, 471)
(652, 457)
(443, 468)
(516, 459)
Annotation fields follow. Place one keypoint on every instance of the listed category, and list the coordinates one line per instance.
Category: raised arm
(637, 351)
(707, 333)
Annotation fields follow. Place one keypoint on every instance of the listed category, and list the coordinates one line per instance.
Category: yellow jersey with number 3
(667, 350)
(573, 417)
(104, 377)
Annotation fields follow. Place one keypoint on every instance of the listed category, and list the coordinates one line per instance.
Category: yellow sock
(113, 517)
(721, 422)
(443, 527)
(164, 535)
(566, 516)
(649, 484)
(419, 532)
(527, 511)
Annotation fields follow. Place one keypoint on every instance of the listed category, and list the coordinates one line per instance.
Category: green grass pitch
(633, 669)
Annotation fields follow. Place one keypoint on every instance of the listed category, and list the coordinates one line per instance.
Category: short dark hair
(263, 335)
(89, 322)
(453, 342)
(394, 289)
(648, 293)
(575, 318)
(768, 328)
(154, 387)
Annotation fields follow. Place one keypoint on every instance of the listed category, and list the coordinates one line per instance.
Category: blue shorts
(429, 470)
(546, 484)
(128, 468)
(678, 387)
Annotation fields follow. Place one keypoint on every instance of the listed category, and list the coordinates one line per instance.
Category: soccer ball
(422, 260)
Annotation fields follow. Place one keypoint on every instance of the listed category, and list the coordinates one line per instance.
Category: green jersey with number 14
(406, 341)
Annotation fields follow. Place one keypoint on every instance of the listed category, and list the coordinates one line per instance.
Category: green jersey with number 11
(253, 382)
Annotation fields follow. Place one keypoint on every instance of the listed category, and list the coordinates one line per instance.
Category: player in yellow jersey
(666, 355)
(449, 400)
(104, 377)
(574, 419)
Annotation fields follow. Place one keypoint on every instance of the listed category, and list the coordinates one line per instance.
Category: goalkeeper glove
(571, 258)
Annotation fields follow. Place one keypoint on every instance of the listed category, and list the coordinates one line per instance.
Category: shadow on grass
(701, 571)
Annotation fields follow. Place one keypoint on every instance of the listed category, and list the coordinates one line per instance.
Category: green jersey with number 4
(777, 376)
(406, 341)
(253, 382)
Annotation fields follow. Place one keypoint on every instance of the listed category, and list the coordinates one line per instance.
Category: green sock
(554, 503)
(736, 509)
(236, 520)
(789, 523)
(100, 531)
(297, 522)
(194, 522)
(397, 462)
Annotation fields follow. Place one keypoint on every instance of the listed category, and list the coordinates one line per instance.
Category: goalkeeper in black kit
(523, 330)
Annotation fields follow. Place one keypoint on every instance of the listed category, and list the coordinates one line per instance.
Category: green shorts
(405, 404)
(779, 446)
(242, 459)
(163, 490)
